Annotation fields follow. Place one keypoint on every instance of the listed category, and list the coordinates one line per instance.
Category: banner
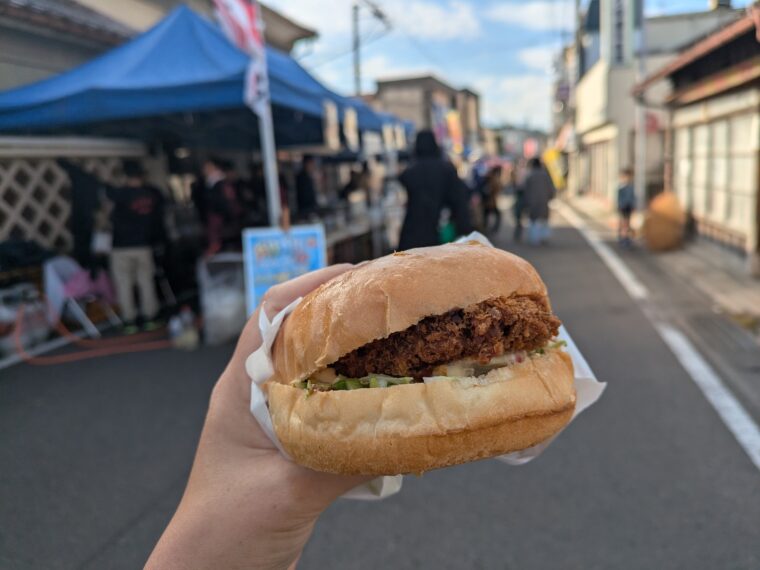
(351, 129)
(330, 125)
(241, 22)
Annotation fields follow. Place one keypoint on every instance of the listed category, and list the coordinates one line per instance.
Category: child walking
(626, 204)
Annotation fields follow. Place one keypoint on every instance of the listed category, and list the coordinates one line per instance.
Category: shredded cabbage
(465, 371)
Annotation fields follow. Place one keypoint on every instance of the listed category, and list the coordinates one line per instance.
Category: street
(94, 458)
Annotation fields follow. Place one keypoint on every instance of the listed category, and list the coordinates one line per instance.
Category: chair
(68, 287)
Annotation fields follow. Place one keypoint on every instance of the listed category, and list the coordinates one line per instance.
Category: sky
(501, 48)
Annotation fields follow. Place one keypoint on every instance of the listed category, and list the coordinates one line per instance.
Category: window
(718, 173)
(682, 167)
(700, 180)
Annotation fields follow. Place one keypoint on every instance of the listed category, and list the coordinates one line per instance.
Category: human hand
(245, 505)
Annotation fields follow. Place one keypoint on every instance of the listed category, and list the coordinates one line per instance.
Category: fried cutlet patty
(480, 332)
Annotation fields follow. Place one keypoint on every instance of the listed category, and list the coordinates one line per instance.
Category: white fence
(34, 189)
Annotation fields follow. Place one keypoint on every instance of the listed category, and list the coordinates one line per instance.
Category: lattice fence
(35, 198)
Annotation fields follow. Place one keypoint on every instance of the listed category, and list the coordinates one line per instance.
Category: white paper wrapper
(260, 369)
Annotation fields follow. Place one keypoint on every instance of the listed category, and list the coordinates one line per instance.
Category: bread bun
(413, 428)
(390, 294)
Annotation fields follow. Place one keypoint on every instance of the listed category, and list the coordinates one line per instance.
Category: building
(520, 142)
(430, 103)
(39, 38)
(713, 155)
(605, 109)
(279, 31)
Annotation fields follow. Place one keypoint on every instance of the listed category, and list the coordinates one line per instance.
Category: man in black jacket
(431, 184)
(138, 225)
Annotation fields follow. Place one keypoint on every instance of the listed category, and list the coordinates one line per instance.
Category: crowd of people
(226, 202)
(132, 215)
(433, 186)
(121, 229)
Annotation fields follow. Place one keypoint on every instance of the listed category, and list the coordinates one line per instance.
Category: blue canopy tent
(181, 79)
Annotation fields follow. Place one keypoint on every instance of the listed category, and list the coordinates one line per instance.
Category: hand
(245, 505)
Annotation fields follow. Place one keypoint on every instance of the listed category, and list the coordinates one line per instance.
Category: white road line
(729, 409)
(628, 280)
(733, 414)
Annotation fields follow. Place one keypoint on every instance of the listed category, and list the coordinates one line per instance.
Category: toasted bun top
(390, 294)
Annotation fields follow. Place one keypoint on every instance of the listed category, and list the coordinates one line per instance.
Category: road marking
(619, 269)
(729, 409)
(733, 414)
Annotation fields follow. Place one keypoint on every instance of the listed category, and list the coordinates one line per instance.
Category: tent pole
(269, 161)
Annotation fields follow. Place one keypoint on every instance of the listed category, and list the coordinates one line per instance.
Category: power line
(342, 53)
(421, 49)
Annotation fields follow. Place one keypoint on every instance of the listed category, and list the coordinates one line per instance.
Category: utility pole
(578, 41)
(377, 13)
(357, 49)
(574, 177)
(640, 159)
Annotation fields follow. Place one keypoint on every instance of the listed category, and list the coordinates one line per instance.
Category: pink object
(80, 285)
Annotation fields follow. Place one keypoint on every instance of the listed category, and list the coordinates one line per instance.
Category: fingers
(276, 299)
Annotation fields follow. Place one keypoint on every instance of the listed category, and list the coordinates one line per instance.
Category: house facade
(605, 107)
(713, 153)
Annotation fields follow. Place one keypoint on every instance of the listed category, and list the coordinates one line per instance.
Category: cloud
(339, 75)
(516, 99)
(327, 21)
(381, 67)
(422, 19)
(535, 14)
(430, 21)
(539, 57)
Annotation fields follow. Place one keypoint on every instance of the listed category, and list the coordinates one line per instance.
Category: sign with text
(272, 256)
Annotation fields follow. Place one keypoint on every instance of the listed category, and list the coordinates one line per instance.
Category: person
(245, 504)
(258, 195)
(539, 191)
(237, 190)
(431, 184)
(198, 195)
(85, 197)
(137, 222)
(350, 187)
(626, 204)
(492, 190)
(518, 205)
(223, 211)
(306, 193)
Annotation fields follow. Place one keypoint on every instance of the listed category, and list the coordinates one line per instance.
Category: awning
(182, 65)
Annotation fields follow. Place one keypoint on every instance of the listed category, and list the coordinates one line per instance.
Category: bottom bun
(413, 428)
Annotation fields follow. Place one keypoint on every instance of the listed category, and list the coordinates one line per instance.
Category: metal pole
(640, 161)
(357, 47)
(269, 160)
(268, 148)
(578, 41)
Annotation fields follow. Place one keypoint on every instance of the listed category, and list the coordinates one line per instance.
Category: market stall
(179, 87)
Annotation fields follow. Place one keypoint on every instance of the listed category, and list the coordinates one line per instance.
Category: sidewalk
(715, 271)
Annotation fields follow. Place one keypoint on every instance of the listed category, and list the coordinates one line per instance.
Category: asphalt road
(93, 458)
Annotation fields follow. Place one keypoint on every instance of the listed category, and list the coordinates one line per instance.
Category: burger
(419, 360)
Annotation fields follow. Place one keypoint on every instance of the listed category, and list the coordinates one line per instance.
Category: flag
(241, 22)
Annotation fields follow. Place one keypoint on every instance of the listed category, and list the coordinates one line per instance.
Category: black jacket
(306, 194)
(137, 216)
(432, 184)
